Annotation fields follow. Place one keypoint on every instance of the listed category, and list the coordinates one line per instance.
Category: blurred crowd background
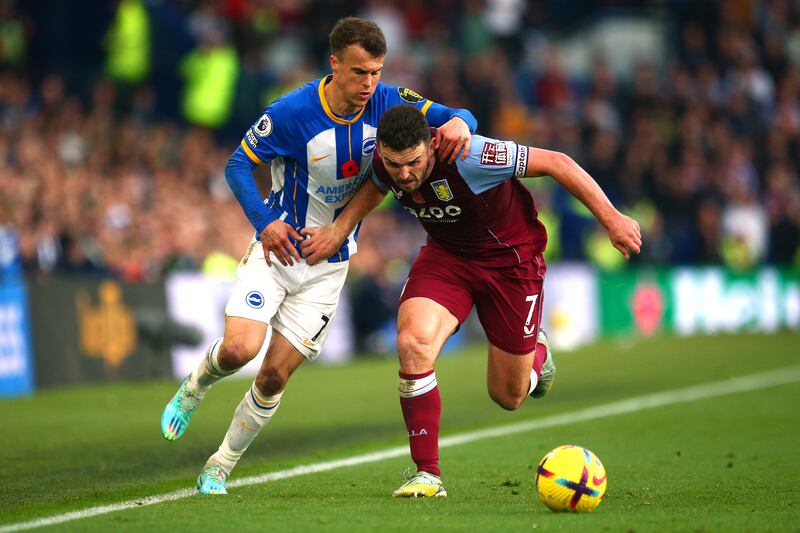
(117, 118)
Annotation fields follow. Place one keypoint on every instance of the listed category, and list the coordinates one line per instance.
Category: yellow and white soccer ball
(571, 478)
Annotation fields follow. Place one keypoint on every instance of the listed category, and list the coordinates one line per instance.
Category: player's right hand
(275, 238)
(625, 234)
(453, 139)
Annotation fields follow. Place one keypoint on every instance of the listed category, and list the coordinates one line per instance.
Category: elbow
(549, 163)
(468, 118)
(562, 161)
(562, 165)
(237, 160)
(238, 166)
(230, 173)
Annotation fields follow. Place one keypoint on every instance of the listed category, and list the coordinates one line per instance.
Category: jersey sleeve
(491, 162)
(271, 135)
(239, 175)
(436, 114)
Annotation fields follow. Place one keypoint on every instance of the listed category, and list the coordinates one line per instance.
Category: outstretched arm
(321, 243)
(623, 231)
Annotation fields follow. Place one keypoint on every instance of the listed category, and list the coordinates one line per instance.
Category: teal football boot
(212, 479)
(178, 412)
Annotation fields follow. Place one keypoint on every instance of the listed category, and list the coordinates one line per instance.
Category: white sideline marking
(782, 376)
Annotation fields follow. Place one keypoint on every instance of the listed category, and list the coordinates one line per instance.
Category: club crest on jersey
(409, 96)
(368, 146)
(442, 190)
(264, 126)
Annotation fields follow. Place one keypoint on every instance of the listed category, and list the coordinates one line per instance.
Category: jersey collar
(326, 107)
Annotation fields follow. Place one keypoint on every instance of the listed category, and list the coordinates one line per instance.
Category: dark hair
(403, 127)
(353, 30)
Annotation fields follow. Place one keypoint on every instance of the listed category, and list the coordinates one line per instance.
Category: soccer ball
(571, 478)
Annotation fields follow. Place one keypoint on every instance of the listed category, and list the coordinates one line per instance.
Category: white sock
(534, 381)
(253, 413)
(208, 371)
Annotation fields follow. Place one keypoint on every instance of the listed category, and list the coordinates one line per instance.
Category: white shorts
(298, 301)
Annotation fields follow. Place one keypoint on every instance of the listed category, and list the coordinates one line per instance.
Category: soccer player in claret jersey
(484, 248)
(320, 140)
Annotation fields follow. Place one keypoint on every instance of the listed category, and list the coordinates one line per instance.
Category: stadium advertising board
(197, 300)
(570, 305)
(91, 330)
(16, 365)
(691, 301)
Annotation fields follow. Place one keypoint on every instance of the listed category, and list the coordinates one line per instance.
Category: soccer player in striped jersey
(319, 140)
(484, 249)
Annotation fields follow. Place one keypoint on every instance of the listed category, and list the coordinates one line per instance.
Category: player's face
(408, 168)
(356, 76)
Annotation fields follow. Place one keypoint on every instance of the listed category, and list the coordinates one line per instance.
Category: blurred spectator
(104, 175)
(474, 35)
(744, 226)
(552, 90)
(782, 201)
(12, 36)
(210, 72)
(128, 43)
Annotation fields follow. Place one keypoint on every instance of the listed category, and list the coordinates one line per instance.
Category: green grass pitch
(725, 463)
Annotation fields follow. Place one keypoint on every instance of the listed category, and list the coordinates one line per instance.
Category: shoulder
(295, 101)
(489, 163)
(382, 95)
(392, 95)
(279, 119)
(485, 153)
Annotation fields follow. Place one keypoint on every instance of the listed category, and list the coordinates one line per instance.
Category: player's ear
(434, 144)
(334, 63)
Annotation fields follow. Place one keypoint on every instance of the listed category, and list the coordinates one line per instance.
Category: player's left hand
(453, 138)
(320, 243)
(625, 234)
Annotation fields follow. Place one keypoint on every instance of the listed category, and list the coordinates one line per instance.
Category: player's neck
(336, 101)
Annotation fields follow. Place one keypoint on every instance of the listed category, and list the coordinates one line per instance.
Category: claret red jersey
(476, 208)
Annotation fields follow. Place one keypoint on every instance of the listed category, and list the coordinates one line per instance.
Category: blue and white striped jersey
(318, 159)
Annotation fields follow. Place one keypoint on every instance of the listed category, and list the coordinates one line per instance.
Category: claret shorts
(508, 299)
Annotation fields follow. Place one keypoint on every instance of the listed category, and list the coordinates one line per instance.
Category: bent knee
(235, 353)
(271, 381)
(417, 352)
(509, 399)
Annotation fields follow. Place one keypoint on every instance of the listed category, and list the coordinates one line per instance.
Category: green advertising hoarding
(692, 300)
